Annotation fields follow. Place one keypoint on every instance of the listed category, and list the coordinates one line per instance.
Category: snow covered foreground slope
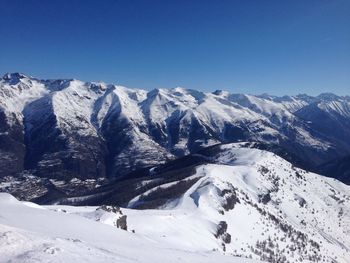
(250, 203)
(273, 211)
(30, 233)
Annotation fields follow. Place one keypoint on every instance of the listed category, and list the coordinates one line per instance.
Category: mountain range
(67, 128)
(116, 174)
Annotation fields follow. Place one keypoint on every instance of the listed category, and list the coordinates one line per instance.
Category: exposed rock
(221, 229)
(265, 198)
(121, 223)
(110, 208)
(300, 200)
(230, 198)
(121, 220)
(221, 233)
(226, 237)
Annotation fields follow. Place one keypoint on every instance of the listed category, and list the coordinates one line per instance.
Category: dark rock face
(221, 233)
(55, 152)
(226, 238)
(230, 198)
(12, 148)
(221, 229)
(265, 198)
(121, 223)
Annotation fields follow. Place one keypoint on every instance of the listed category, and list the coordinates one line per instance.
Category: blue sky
(251, 46)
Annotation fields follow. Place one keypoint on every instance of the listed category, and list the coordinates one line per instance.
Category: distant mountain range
(199, 175)
(68, 129)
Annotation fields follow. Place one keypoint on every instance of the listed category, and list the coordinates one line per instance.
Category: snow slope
(273, 211)
(249, 204)
(30, 233)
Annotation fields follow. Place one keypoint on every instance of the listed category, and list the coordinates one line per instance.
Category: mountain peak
(220, 92)
(14, 78)
(14, 75)
(267, 96)
(328, 96)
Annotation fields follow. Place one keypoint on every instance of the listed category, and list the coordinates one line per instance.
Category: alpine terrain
(94, 172)
(72, 129)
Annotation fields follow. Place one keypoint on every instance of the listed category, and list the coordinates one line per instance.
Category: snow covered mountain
(224, 202)
(67, 128)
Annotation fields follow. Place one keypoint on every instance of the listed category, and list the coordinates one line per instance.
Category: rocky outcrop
(221, 233)
(121, 222)
(230, 198)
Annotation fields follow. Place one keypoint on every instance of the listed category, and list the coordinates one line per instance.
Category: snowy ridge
(273, 211)
(97, 126)
(249, 203)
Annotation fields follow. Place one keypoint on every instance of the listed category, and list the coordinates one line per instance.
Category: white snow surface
(30, 233)
(315, 209)
(306, 219)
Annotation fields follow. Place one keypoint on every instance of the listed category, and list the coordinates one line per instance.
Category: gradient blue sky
(278, 47)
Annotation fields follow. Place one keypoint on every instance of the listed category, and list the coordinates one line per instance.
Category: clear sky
(252, 46)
